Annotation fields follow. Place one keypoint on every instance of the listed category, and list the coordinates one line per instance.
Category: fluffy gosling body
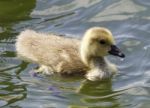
(56, 54)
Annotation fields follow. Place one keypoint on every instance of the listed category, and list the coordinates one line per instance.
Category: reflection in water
(15, 10)
(98, 94)
(11, 12)
(127, 19)
(11, 90)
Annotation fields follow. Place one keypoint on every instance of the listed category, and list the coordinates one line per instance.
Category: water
(127, 19)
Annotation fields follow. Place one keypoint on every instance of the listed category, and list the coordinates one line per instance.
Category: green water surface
(129, 21)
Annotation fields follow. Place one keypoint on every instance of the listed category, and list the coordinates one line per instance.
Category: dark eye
(102, 42)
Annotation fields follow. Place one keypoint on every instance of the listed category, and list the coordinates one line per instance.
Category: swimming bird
(68, 56)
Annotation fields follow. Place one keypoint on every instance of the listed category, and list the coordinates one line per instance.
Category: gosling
(67, 56)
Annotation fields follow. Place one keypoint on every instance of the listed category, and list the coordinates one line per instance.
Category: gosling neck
(94, 62)
(91, 61)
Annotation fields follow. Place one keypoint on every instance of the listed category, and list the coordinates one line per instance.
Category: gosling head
(99, 42)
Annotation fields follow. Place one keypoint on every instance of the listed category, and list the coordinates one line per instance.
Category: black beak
(116, 51)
